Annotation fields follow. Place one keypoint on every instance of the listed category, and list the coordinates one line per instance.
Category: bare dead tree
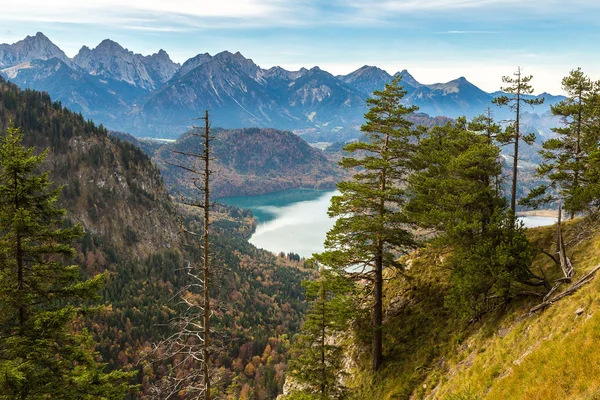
(190, 347)
(565, 262)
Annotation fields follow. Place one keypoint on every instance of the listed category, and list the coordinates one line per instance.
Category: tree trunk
(323, 323)
(377, 344)
(577, 150)
(513, 197)
(206, 351)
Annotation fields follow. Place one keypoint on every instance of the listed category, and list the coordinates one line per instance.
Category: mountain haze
(153, 96)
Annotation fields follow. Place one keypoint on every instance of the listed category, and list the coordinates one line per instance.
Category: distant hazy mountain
(153, 96)
(101, 99)
(367, 79)
(452, 99)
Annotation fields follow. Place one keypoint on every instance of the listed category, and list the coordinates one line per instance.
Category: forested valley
(429, 285)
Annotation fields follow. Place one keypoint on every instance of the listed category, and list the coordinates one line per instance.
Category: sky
(435, 40)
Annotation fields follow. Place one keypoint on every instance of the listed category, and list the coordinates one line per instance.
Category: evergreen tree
(566, 155)
(318, 367)
(484, 124)
(454, 192)
(452, 188)
(518, 89)
(371, 232)
(41, 355)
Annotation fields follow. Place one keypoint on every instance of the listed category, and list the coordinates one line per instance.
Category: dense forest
(247, 162)
(130, 232)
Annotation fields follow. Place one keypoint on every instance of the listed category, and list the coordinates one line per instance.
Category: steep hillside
(509, 354)
(251, 162)
(132, 230)
(109, 185)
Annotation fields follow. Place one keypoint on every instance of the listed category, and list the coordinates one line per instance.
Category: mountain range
(154, 96)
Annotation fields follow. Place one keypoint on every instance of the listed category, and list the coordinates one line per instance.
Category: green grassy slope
(433, 354)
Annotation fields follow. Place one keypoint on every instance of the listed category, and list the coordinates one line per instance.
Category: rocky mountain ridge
(109, 59)
(153, 96)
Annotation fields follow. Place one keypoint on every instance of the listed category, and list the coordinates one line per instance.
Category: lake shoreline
(538, 213)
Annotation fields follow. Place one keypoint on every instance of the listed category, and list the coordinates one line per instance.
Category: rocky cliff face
(111, 187)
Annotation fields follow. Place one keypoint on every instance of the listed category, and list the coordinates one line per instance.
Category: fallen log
(587, 278)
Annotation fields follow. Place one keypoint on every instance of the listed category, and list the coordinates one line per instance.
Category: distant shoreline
(538, 213)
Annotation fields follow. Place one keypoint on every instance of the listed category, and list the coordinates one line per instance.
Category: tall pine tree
(318, 367)
(518, 89)
(566, 155)
(370, 232)
(41, 356)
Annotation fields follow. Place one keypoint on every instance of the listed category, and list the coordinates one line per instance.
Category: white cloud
(508, 10)
(419, 5)
(157, 15)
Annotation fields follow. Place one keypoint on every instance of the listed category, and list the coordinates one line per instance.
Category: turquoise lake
(293, 221)
(296, 220)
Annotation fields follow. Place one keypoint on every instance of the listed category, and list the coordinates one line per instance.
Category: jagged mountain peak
(456, 85)
(160, 56)
(369, 69)
(112, 60)
(161, 53)
(191, 64)
(110, 45)
(408, 79)
(37, 47)
(280, 73)
(367, 79)
(150, 93)
(39, 36)
(227, 56)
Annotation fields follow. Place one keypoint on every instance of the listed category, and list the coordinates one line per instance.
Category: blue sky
(436, 40)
